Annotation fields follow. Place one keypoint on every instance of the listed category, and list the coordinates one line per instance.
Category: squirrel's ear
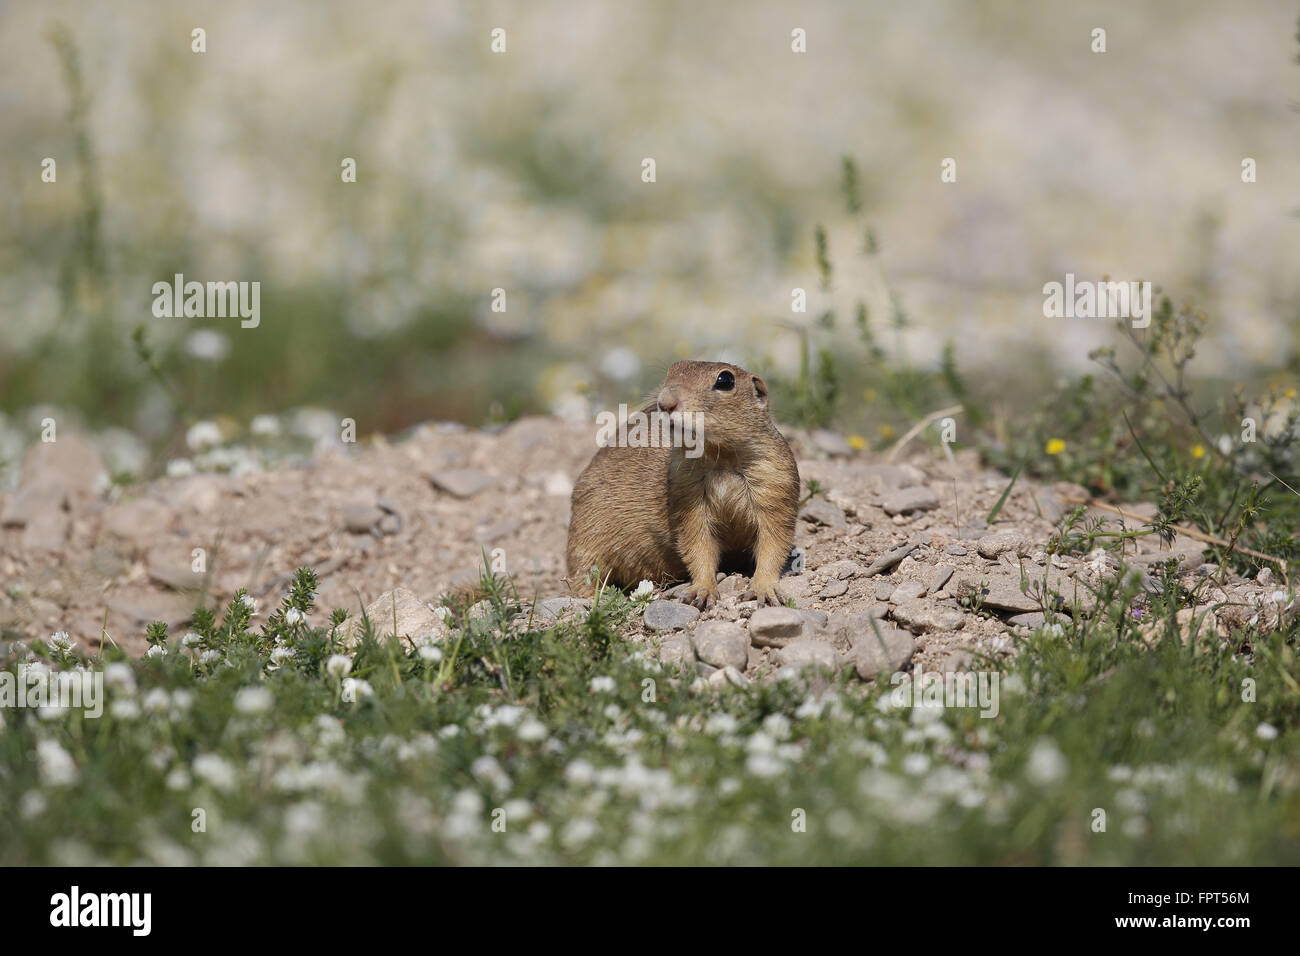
(760, 391)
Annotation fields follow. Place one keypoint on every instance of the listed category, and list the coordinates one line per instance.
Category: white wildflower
(253, 700)
(265, 426)
(778, 725)
(578, 831)
(532, 730)
(721, 723)
(354, 688)
(203, 435)
(32, 805)
(215, 771)
(580, 772)
(1046, 764)
(489, 770)
(120, 675)
(55, 767)
(764, 765)
(915, 764)
(207, 345)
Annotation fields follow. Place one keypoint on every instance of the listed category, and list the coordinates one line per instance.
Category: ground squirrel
(725, 494)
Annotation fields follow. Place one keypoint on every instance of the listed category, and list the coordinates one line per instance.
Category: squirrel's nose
(667, 400)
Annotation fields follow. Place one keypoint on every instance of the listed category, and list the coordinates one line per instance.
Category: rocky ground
(392, 526)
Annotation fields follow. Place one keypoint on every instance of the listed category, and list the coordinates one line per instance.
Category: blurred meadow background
(522, 171)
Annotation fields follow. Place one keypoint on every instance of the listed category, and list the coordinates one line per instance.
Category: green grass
(586, 751)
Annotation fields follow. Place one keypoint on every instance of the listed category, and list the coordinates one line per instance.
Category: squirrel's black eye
(725, 383)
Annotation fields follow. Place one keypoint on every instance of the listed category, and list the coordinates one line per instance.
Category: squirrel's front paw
(763, 593)
(700, 596)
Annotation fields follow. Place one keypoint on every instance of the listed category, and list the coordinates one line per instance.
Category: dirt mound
(902, 545)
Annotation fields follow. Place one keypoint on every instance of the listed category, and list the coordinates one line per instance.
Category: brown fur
(655, 514)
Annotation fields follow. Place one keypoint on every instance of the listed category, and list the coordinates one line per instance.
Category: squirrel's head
(722, 403)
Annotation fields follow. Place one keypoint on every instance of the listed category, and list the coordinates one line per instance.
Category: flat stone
(722, 644)
(906, 591)
(1003, 591)
(813, 619)
(669, 615)
(172, 566)
(108, 562)
(1189, 553)
(889, 559)
(843, 570)
(1004, 542)
(887, 653)
(68, 463)
(677, 649)
(1030, 620)
(361, 519)
(907, 500)
(30, 504)
(732, 585)
(834, 589)
(48, 529)
(460, 482)
(940, 577)
(845, 627)
(141, 520)
(795, 587)
(397, 612)
(956, 550)
(728, 676)
(821, 511)
(775, 626)
(889, 477)
(922, 617)
(803, 653)
(554, 608)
